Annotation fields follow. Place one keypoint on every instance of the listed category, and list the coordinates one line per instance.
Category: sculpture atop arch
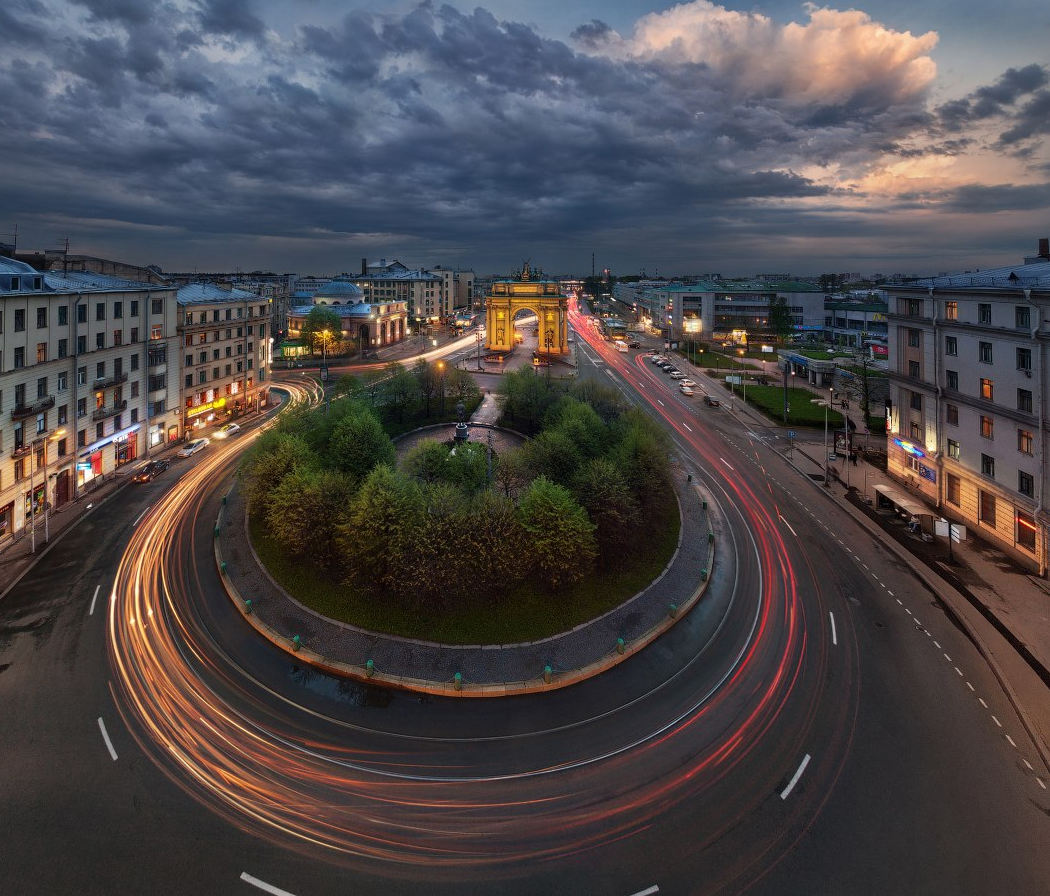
(527, 291)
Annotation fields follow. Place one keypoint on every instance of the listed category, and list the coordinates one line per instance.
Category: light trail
(420, 803)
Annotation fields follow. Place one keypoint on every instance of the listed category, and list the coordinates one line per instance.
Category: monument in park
(528, 292)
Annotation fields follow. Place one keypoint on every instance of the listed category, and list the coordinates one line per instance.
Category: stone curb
(360, 672)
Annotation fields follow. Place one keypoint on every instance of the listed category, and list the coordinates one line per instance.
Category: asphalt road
(818, 728)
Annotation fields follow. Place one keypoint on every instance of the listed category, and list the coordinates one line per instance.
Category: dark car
(711, 401)
(151, 471)
(634, 344)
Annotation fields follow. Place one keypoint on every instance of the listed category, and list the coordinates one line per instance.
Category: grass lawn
(801, 410)
(526, 614)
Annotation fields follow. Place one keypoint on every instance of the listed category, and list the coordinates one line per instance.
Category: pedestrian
(853, 457)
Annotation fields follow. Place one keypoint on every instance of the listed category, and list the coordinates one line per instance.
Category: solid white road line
(94, 597)
(834, 636)
(660, 403)
(649, 892)
(262, 885)
(105, 737)
(787, 790)
(686, 425)
(786, 523)
(138, 519)
(726, 462)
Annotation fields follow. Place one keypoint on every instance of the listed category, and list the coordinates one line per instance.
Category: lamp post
(826, 402)
(32, 491)
(324, 354)
(477, 338)
(743, 376)
(441, 372)
(786, 362)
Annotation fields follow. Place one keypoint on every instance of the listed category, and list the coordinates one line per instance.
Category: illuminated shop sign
(909, 448)
(204, 408)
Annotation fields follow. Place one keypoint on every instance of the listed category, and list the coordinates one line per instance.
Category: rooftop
(1018, 276)
(210, 294)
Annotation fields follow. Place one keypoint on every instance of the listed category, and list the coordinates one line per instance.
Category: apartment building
(385, 282)
(84, 384)
(226, 352)
(966, 419)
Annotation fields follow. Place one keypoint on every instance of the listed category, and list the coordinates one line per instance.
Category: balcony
(21, 411)
(107, 381)
(111, 411)
(21, 451)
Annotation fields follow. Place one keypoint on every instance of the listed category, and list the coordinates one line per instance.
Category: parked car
(677, 375)
(687, 382)
(711, 400)
(686, 390)
(634, 343)
(230, 429)
(193, 447)
(151, 471)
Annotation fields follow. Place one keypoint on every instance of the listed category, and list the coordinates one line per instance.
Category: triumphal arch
(528, 291)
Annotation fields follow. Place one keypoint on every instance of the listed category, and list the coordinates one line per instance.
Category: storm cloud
(202, 134)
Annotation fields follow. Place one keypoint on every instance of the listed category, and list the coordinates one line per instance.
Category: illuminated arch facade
(528, 292)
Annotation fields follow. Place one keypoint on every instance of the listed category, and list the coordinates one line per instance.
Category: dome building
(365, 326)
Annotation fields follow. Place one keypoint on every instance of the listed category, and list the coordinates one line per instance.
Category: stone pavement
(491, 670)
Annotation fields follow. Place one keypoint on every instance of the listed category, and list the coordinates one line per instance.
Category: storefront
(7, 519)
(125, 448)
(205, 414)
(156, 434)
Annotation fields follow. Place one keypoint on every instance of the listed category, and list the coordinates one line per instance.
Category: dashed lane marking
(798, 774)
(105, 737)
(262, 885)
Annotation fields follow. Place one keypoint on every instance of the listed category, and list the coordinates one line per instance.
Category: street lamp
(324, 353)
(441, 371)
(743, 376)
(826, 402)
(477, 338)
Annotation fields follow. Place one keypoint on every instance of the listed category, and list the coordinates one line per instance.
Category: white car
(688, 383)
(193, 447)
(686, 390)
(677, 375)
(230, 429)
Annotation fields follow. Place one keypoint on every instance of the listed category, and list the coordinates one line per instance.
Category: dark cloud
(231, 17)
(438, 132)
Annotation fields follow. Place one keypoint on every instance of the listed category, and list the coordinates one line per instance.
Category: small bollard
(689, 477)
(710, 537)
(457, 682)
(370, 668)
(216, 531)
(222, 567)
(705, 504)
(546, 674)
(703, 573)
(673, 611)
(619, 646)
(297, 642)
(224, 499)
(248, 606)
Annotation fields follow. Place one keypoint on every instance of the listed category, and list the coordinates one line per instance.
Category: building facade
(225, 353)
(85, 387)
(423, 293)
(365, 326)
(966, 421)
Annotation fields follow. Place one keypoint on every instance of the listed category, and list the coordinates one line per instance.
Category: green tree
(526, 398)
(560, 537)
(781, 324)
(602, 492)
(305, 510)
(606, 401)
(467, 467)
(322, 319)
(377, 542)
(439, 566)
(511, 472)
(641, 455)
(426, 382)
(495, 543)
(579, 423)
(553, 454)
(426, 461)
(358, 443)
(274, 456)
(399, 390)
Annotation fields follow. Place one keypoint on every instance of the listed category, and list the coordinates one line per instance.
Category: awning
(902, 501)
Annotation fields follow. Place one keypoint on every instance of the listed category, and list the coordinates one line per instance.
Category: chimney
(364, 267)
(1044, 248)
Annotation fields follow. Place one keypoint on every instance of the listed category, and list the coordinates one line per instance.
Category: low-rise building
(365, 326)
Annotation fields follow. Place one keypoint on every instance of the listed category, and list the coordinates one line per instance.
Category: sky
(744, 138)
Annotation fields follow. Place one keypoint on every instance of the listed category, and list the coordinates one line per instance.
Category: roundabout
(708, 714)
